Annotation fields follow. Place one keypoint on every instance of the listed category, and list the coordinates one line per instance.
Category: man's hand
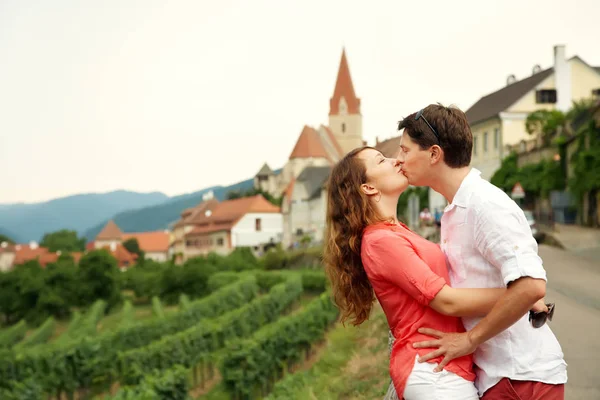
(540, 305)
(449, 345)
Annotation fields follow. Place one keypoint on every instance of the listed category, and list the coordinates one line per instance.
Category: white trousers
(424, 384)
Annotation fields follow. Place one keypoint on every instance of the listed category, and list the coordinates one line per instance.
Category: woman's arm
(465, 302)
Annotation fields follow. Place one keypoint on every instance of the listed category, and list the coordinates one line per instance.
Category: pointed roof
(265, 170)
(309, 145)
(494, 103)
(344, 88)
(110, 231)
(228, 213)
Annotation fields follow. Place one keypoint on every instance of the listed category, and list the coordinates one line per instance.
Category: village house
(498, 119)
(155, 245)
(17, 254)
(220, 227)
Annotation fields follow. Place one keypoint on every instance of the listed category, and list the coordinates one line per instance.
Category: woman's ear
(436, 154)
(368, 189)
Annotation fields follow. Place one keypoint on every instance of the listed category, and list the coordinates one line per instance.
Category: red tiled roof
(227, 213)
(110, 231)
(150, 242)
(308, 145)
(344, 88)
(24, 253)
(124, 258)
(196, 214)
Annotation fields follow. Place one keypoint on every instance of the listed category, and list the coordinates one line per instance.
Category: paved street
(574, 285)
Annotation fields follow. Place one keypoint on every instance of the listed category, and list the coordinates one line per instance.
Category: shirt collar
(462, 194)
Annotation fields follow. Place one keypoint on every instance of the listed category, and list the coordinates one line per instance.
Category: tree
(191, 279)
(133, 247)
(4, 238)
(9, 296)
(236, 194)
(99, 278)
(63, 240)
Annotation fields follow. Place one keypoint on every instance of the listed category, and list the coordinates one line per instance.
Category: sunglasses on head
(538, 318)
(419, 116)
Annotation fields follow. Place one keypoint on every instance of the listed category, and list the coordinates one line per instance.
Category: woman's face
(384, 175)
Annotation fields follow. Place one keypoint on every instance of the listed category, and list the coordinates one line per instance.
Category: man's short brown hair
(452, 126)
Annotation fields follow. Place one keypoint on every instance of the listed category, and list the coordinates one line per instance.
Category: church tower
(345, 119)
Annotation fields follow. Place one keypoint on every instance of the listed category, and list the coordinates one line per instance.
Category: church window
(343, 127)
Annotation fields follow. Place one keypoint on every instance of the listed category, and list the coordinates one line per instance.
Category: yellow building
(498, 119)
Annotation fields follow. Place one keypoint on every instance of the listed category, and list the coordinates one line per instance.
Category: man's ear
(436, 154)
(368, 189)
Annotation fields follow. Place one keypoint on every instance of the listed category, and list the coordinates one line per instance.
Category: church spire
(344, 89)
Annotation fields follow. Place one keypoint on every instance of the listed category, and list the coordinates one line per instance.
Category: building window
(485, 140)
(220, 242)
(188, 243)
(545, 96)
(258, 224)
(596, 93)
(475, 145)
(496, 138)
(343, 127)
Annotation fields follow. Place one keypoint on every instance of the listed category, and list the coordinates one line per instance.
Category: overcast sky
(175, 96)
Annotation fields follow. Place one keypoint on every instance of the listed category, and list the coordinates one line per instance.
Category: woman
(370, 253)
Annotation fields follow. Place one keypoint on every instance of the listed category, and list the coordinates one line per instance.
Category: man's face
(416, 163)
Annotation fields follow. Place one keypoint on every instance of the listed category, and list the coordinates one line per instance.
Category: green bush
(275, 258)
(26, 390)
(300, 258)
(41, 334)
(184, 302)
(13, 335)
(221, 279)
(84, 363)
(313, 280)
(171, 384)
(157, 308)
(195, 346)
(85, 325)
(251, 366)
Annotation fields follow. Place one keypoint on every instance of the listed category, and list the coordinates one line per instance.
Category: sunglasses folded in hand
(539, 318)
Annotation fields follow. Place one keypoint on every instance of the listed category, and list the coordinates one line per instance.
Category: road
(574, 285)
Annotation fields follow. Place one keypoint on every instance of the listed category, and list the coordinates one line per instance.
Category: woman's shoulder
(382, 234)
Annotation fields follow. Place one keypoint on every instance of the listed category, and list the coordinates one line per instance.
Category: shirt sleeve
(503, 237)
(392, 258)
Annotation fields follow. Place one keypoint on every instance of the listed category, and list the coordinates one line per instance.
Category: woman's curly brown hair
(349, 212)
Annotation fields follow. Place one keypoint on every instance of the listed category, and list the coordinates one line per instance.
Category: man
(488, 243)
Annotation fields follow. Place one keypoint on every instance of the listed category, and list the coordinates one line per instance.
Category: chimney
(562, 79)
(33, 245)
(208, 195)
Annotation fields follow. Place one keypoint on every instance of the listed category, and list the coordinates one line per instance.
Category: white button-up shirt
(488, 243)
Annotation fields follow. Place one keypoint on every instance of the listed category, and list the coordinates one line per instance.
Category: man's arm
(471, 302)
(465, 302)
(503, 240)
